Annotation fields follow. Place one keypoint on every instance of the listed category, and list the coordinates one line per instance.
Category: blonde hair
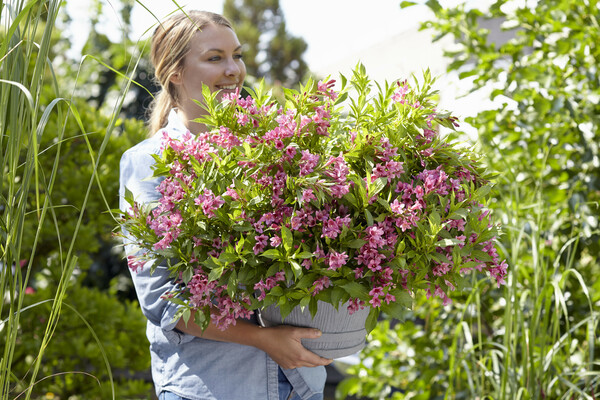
(169, 46)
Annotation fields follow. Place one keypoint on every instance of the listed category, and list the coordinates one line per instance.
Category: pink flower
(326, 89)
(275, 241)
(290, 152)
(389, 298)
(232, 193)
(242, 119)
(339, 191)
(135, 263)
(320, 284)
(440, 269)
(308, 195)
(336, 260)
(399, 95)
(397, 207)
(354, 305)
(442, 295)
(261, 242)
(375, 302)
(209, 202)
(331, 229)
(308, 162)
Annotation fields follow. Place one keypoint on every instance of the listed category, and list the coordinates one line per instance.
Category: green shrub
(94, 328)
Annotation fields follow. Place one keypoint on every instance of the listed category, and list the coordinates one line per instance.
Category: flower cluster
(343, 199)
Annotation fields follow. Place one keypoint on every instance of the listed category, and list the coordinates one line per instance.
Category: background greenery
(70, 325)
(538, 337)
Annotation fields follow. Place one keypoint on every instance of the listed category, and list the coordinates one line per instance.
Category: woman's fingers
(283, 344)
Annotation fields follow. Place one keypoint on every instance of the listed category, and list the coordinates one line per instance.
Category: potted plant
(347, 197)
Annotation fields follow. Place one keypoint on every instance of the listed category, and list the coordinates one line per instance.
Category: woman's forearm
(242, 332)
(282, 343)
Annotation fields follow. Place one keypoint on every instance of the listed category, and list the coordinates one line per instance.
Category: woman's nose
(232, 68)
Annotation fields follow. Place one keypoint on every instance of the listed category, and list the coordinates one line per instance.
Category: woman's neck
(193, 127)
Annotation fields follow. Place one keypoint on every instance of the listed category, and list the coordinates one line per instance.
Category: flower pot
(343, 333)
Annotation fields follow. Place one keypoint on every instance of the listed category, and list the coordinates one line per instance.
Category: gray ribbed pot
(343, 333)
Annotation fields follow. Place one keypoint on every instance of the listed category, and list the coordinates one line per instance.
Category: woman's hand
(282, 343)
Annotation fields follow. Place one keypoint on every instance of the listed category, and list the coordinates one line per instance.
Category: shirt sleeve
(136, 176)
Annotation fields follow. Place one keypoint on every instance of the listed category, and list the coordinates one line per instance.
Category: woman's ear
(176, 78)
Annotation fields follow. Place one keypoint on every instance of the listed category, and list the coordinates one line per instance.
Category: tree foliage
(546, 132)
(270, 51)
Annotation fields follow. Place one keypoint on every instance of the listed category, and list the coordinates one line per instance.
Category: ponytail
(158, 112)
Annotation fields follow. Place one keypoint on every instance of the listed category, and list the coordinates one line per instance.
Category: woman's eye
(238, 56)
(215, 58)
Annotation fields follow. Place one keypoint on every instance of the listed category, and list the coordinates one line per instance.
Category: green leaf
(369, 217)
(362, 190)
(406, 4)
(481, 256)
(277, 291)
(313, 306)
(372, 319)
(285, 307)
(398, 262)
(400, 247)
(215, 274)
(403, 297)
(128, 196)
(385, 204)
(186, 314)
(395, 310)
(288, 239)
(296, 269)
(228, 258)
(377, 186)
(483, 191)
(240, 244)
(356, 290)
(351, 199)
(304, 301)
(441, 258)
(306, 281)
(458, 214)
(448, 242)
(304, 255)
(272, 254)
(211, 263)
(347, 387)
(434, 218)
(337, 294)
(356, 243)
(256, 200)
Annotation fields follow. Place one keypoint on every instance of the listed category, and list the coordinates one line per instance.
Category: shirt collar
(175, 124)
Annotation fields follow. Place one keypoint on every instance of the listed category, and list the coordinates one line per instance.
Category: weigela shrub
(339, 196)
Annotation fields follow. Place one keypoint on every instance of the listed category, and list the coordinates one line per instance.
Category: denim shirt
(192, 367)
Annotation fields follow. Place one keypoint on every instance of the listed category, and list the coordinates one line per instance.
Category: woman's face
(214, 59)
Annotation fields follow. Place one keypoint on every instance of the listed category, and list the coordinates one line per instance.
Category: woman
(245, 361)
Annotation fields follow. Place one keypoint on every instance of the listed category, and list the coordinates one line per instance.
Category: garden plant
(300, 202)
